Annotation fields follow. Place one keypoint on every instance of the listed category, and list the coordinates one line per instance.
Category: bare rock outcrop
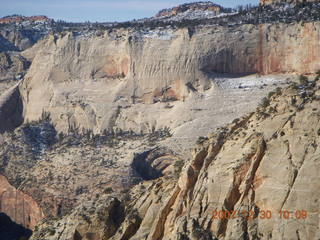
(202, 6)
(19, 206)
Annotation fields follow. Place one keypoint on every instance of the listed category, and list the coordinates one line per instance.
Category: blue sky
(97, 10)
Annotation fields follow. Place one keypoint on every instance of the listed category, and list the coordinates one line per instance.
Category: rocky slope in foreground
(265, 161)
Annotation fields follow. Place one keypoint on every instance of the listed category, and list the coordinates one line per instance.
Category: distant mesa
(204, 6)
(19, 18)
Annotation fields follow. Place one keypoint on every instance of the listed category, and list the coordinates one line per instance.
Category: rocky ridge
(19, 19)
(190, 7)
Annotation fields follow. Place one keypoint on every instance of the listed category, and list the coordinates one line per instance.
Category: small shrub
(278, 91)
(80, 190)
(86, 218)
(303, 79)
(51, 231)
(108, 190)
(201, 140)
(178, 165)
(270, 94)
(23, 238)
(236, 120)
(264, 102)
(45, 116)
(294, 85)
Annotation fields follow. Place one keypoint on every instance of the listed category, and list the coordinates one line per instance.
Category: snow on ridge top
(161, 34)
(197, 14)
(203, 6)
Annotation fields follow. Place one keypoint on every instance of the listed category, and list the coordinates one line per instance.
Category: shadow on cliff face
(11, 111)
(10, 230)
(153, 163)
(6, 45)
(227, 62)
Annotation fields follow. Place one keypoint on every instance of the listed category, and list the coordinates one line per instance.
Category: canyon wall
(82, 79)
(20, 207)
(11, 109)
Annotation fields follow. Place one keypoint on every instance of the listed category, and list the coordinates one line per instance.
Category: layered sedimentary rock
(128, 66)
(20, 207)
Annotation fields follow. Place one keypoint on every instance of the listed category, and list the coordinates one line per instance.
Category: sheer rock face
(20, 207)
(11, 109)
(81, 80)
(267, 2)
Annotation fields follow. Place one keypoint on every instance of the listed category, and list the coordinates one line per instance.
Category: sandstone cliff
(20, 207)
(127, 67)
